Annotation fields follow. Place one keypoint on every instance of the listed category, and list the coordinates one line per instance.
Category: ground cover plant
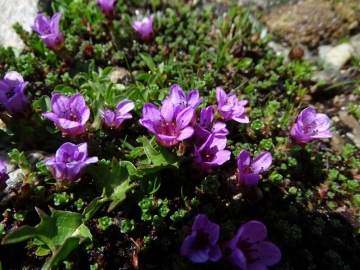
(170, 136)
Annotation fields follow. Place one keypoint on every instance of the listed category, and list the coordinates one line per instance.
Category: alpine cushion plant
(247, 250)
(230, 107)
(249, 170)
(212, 152)
(12, 96)
(69, 114)
(181, 101)
(106, 6)
(68, 161)
(200, 246)
(49, 31)
(168, 130)
(114, 119)
(310, 125)
(144, 27)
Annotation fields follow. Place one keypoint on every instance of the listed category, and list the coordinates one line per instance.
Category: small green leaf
(149, 61)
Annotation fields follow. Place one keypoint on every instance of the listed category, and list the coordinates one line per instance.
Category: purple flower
(144, 28)
(49, 31)
(310, 125)
(249, 170)
(230, 107)
(12, 96)
(181, 101)
(206, 126)
(3, 175)
(247, 250)
(106, 6)
(114, 119)
(69, 114)
(168, 129)
(68, 161)
(212, 152)
(200, 246)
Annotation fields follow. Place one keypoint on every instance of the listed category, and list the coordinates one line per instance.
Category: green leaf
(149, 61)
(42, 251)
(92, 208)
(120, 194)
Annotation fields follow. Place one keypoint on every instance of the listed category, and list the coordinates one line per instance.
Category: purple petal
(241, 119)
(71, 127)
(221, 97)
(54, 23)
(237, 258)
(108, 117)
(13, 78)
(51, 116)
(206, 117)
(151, 112)
(124, 107)
(50, 41)
(84, 115)
(149, 124)
(250, 179)
(73, 170)
(185, 133)
(220, 158)
(59, 104)
(167, 110)
(199, 255)
(91, 160)
(187, 244)
(77, 101)
(307, 116)
(41, 22)
(214, 253)
(256, 266)
(323, 134)
(253, 231)
(298, 134)
(243, 159)
(261, 163)
(177, 95)
(322, 122)
(193, 98)
(184, 118)
(136, 25)
(267, 252)
(200, 222)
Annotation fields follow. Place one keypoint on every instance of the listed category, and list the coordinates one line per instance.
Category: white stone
(323, 50)
(339, 55)
(12, 11)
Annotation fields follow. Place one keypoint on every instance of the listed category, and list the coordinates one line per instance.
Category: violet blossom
(247, 250)
(3, 175)
(212, 152)
(249, 170)
(168, 129)
(68, 161)
(69, 114)
(181, 101)
(106, 6)
(12, 96)
(200, 246)
(114, 119)
(206, 127)
(310, 125)
(230, 107)
(144, 27)
(49, 31)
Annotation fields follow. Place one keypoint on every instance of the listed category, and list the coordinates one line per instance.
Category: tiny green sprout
(147, 204)
(194, 202)
(292, 162)
(19, 158)
(257, 125)
(179, 215)
(293, 190)
(333, 174)
(2, 229)
(39, 191)
(275, 177)
(20, 215)
(356, 199)
(147, 240)
(272, 107)
(79, 204)
(127, 226)
(330, 194)
(352, 185)
(256, 113)
(158, 223)
(210, 184)
(94, 266)
(283, 166)
(51, 79)
(61, 198)
(266, 144)
(68, 265)
(347, 151)
(105, 222)
(208, 209)
(342, 177)
(146, 216)
(164, 210)
(355, 163)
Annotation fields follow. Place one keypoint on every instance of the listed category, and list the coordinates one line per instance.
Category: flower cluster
(246, 250)
(12, 96)
(144, 27)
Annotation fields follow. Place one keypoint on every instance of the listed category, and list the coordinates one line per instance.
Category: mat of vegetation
(168, 135)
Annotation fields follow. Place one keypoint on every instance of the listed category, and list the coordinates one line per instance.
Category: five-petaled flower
(144, 28)
(114, 119)
(181, 101)
(12, 96)
(212, 152)
(249, 170)
(310, 125)
(69, 114)
(49, 31)
(169, 130)
(247, 250)
(200, 246)
(230, 107)
(3, 175)
(106, 6)
(68, 161)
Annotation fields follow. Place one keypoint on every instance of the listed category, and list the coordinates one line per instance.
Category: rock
(339, 55)
(355, 43)
(323, 50)
(311, 21)
(354, 125)
(120, 75)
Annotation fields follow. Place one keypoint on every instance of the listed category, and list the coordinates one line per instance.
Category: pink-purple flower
(114, 119)
(247, 250)
(230, 107)
(49, 31)
(200, 246)
(181, 101)
(69, 114)
(250, 170)
(106, 6)
(68, 161)
(144, 27)
(12, 96)
(310, 125)
(212, 152)
(3, 175)
(168, 129)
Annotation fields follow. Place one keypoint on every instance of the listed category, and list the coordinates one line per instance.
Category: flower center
(46, 30)
(72, 115)
(10, 94)
(248, 250)
(201, 241)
